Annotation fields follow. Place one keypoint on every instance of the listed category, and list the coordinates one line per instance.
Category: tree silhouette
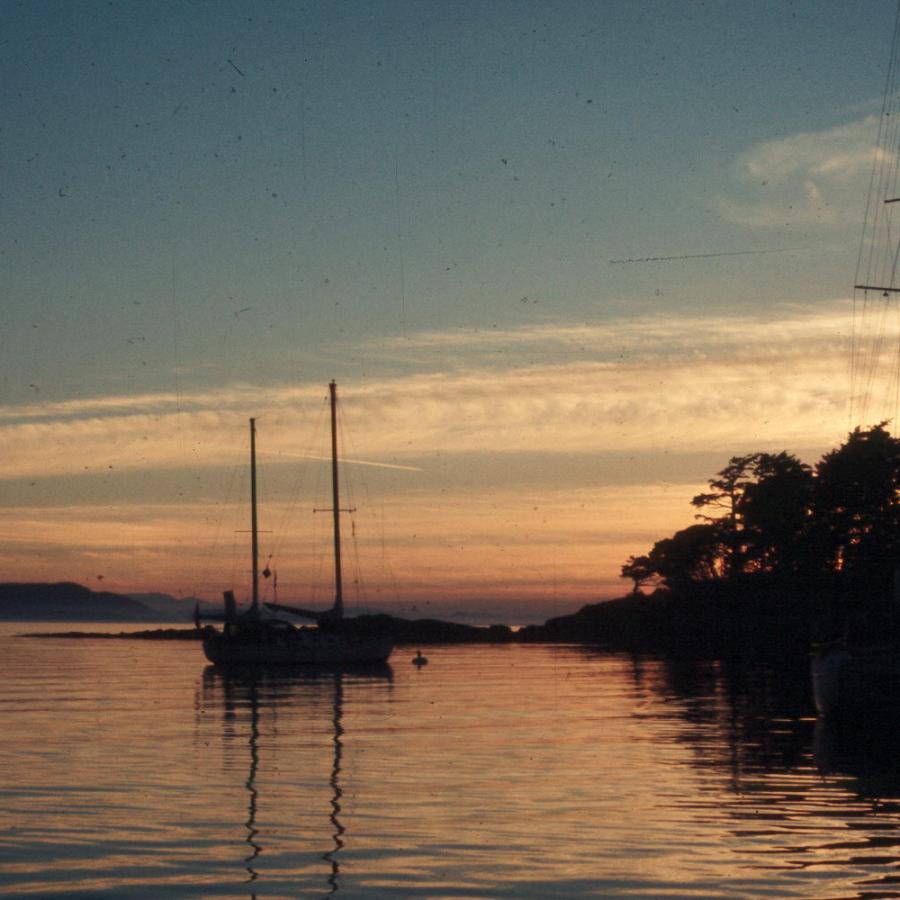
(640, 570)
(780, 519)
(728, 489)
(694, 554)
(856, 509)
(775, 515)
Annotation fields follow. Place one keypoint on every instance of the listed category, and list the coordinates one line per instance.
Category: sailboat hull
(302, 647)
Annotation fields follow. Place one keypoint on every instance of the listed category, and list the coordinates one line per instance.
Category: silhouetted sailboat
(253, 638)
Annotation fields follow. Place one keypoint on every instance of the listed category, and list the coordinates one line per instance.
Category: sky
(563, 260)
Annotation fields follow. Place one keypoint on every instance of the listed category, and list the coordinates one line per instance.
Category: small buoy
(419, 660)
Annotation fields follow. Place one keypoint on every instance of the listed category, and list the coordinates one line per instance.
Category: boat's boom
(299, 611)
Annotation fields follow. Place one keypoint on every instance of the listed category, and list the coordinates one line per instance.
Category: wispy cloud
(676, 383)
(640, 337)
(804, 179)
(235, 396)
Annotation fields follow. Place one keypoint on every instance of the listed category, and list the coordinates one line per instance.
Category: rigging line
(893, 274)
(369, 506)
(890, 147)
(871, 348)
(877, 347)
(892, 388)
(363, 592)
(359, 583)
(887, 385)
(875, 313)
(237, 548)
(890, 262)
(387, 571)
(263, 586)
(299, 478)
(897, 384)
(877, 160)
(347, 482)
(318, 554)
(868, 364)
(217, 532)
(884, 164)
(359, 587)
(877, 350)
(890, 189)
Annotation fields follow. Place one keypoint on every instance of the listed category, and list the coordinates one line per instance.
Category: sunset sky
(563, 259)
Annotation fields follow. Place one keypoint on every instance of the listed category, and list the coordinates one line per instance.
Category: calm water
(133, 769)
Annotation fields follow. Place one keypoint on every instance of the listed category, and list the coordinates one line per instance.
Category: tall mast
(254, 534)
(338, 609)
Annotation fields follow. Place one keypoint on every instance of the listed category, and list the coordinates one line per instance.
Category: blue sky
(209, 210)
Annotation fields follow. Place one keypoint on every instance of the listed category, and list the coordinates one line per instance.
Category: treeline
(771, 519)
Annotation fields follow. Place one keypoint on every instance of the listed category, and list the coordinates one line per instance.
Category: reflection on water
(331, 855)
(531, 772)
(867, 749)
(259, 691)
(811, 796)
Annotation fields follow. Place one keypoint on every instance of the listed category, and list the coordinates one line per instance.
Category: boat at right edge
(858, 675)
(856, 681)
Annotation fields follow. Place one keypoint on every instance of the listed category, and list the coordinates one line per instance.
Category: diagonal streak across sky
(644, 259)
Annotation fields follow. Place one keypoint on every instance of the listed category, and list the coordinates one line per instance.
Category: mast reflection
(250, 784)
(259, 691)
(331, 856)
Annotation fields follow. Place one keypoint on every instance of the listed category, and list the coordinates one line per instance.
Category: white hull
(856, 682)
(827, 676)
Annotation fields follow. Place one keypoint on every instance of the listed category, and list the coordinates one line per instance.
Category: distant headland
(70, 602)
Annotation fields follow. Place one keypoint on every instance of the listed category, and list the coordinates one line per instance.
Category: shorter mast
(337, 610)
(254, 533)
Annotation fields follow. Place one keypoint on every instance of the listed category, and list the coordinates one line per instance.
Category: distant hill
(172, 609)
(68, 602)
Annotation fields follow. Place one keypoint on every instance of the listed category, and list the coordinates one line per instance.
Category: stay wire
(877, 259)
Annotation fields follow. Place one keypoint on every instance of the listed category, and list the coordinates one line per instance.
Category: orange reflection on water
(494, 771)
